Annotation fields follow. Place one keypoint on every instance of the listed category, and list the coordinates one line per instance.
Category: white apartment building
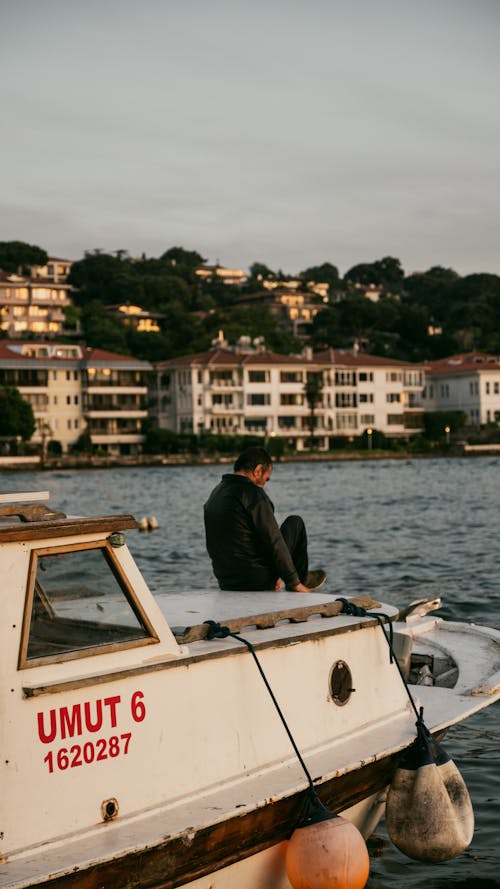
(73, 389)
(32, 305)
(259, 392)
(469, 382)
(220, 272)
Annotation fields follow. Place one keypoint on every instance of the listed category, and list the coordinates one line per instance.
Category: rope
(216, 631)
(357, 611)
(314, 810)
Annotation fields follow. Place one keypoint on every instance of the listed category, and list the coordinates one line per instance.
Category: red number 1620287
(87, 753)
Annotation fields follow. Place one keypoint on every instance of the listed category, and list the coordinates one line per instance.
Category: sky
(285, 132)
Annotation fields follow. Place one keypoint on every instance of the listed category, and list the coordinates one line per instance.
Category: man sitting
(249, 551)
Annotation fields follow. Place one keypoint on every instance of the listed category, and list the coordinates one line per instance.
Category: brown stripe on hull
(179, 860)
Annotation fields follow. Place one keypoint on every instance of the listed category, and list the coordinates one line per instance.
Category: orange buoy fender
(329, 854)
(429, 814)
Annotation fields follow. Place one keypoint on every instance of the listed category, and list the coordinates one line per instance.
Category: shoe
(315, 579)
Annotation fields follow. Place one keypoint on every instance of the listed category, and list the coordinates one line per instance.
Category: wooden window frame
(152, 638)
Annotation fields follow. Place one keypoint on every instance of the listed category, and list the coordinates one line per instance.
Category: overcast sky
(289, 132)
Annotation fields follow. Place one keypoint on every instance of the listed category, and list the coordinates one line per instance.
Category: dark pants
(295, 537)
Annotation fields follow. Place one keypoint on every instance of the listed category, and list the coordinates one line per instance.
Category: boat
(140, 746)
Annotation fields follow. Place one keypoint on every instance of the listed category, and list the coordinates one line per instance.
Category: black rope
(314, 810)
(383, 620)
(216, 631)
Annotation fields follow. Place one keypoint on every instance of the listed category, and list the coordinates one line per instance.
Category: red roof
(13, 350)
(339, 357)
(465, 363)
(360, 359)
(217, 357)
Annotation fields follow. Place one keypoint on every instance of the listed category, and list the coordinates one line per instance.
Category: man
(249, 551)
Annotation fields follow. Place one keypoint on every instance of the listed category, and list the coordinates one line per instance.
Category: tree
(180, 256)
(437, 422)
(261, 272)
(385, 272)
(16, 255)
(321, 274)
(16, 415)
(313, 390)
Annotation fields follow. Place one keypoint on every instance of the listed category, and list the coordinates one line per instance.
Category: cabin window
(79, 603)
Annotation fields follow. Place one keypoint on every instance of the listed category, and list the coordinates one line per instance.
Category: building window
(345, 378)
(291, 398)
(487, 388)
(394, 419)
(257, 424)
(367, 419)
(68, 399)
(69, 424)
(221, 378)
(226, 400)
(258, 376)
(258, 398)
(291, 376)
(345, 399)
(347, 421)
(75, 399)
(366, 377)
(393, 397)
(496, 388)
(366, 398)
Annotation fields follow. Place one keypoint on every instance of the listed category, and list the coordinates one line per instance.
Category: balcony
(108, 387)
(224, 384)
(109, 413)
(225, 409)
(99, 438)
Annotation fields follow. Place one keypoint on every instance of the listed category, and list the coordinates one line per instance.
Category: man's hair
(252, 457)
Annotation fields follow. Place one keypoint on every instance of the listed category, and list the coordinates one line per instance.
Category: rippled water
(398, 530)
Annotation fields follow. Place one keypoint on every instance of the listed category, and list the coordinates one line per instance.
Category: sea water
(397, 530)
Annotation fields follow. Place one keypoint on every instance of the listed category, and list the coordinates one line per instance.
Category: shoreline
(20, 464)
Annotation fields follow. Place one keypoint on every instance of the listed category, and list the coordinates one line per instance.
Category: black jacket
(243, 538)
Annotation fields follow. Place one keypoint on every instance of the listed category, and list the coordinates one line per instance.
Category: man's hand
(278, 585)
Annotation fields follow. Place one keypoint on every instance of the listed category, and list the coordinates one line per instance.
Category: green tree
(101, 330)
(385, 272)
(16, 255)
(260, 271)
(16, 415)
(313, 391)
(255, 321)
(180, 256)
(436, 423)
(325, 273)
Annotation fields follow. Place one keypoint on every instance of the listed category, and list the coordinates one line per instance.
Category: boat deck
(187, 612)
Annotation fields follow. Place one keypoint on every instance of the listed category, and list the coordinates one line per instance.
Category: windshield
(77, 601)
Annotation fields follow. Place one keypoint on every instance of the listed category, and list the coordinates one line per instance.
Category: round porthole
(341, 683)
